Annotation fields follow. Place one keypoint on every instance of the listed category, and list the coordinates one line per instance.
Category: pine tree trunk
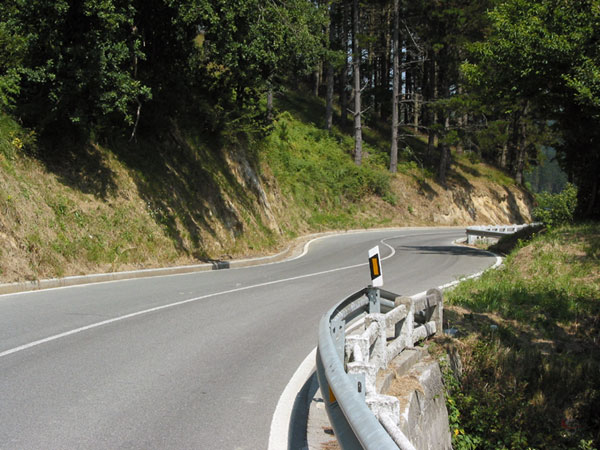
(444, 155)
(503, 155)
(346, 67)
(396, 68)
(592, 202)
(329, 76)
(432, 140)
(408, 88)
(521, 147)
(270, 102)
(357, 103)
(317, 80)
(462, 124)
(416, 112)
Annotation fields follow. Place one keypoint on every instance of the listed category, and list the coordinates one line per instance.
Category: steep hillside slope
(180, 198)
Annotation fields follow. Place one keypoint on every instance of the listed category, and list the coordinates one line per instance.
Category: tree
(77, 63)
(396, 88)
(12, 49)
(542, 56)
(356, 57)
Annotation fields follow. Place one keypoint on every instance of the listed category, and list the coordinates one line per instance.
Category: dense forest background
(495, 79)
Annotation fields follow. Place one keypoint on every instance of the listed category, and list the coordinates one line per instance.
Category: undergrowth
(315, 167)
(530, 348)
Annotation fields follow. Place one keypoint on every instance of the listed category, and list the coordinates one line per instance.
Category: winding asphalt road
(194, 361)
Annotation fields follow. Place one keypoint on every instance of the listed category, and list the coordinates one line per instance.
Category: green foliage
(540, 63)
(77, 62)
(556, 209)
(13, 138)
(540, 336)
(12, 48)
(92, 65)
(315, 168)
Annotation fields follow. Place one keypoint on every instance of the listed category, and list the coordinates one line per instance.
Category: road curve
(190, 361)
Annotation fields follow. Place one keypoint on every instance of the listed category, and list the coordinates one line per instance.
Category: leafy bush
(556, 209)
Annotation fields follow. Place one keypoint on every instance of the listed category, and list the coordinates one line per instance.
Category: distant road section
(190, 361)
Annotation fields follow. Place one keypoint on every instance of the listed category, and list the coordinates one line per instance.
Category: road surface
(195, 361)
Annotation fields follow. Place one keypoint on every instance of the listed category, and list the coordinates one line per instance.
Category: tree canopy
(497, 78)
(95, 63)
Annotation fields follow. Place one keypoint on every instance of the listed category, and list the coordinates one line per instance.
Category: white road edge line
(278, 435)
(280, 423)
(304, 252)
(171, 305)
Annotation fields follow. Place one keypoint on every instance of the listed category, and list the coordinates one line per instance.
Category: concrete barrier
(476, 233)
(348, 364)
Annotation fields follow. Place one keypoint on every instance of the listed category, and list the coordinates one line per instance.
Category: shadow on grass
(470, 170)
(305, 106)
(519, 387)
(79, 165)
(184, 188)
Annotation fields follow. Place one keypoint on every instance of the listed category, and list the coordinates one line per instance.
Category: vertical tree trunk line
(329, 76)
(345, 67)
(356, 56)
(270, 101)
(433, 115)
(395, 88)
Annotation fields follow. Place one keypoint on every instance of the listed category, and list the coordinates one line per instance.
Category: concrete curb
(296, 249)
(12, 288)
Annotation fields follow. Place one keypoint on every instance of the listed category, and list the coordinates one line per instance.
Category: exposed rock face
(477, 201)
(419, 388)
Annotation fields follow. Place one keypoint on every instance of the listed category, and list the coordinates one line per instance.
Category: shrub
(556, 209)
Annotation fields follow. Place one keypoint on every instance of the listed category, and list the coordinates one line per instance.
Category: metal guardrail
(347, 366)
(496, 231)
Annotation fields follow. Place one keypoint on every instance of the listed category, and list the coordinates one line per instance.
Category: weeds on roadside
(531, 349)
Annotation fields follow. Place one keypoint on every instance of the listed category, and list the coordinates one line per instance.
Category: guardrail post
(434, 296)
(374, 300)
(366, 370)
(404, 328)
(379, 356)
(385, 405)
(338, 333)
(361, 384)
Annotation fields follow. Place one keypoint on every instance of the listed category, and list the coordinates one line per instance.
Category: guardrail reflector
(331, 396)
(375, 267)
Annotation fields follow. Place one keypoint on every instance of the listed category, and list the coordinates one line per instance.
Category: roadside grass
(470, 164)
(316, 169)
(529, 342)
(181, 194)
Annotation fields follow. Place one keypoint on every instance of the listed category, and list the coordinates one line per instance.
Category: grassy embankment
(529, 342)
(178, 196)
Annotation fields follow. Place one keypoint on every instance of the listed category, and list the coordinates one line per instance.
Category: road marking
(206, 272)
(280, 423)
(172, 305)
(278, 435)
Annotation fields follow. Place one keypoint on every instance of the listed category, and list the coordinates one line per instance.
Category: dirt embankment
(110, 210)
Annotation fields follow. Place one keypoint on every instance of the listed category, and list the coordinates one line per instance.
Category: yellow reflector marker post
(375, 266)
